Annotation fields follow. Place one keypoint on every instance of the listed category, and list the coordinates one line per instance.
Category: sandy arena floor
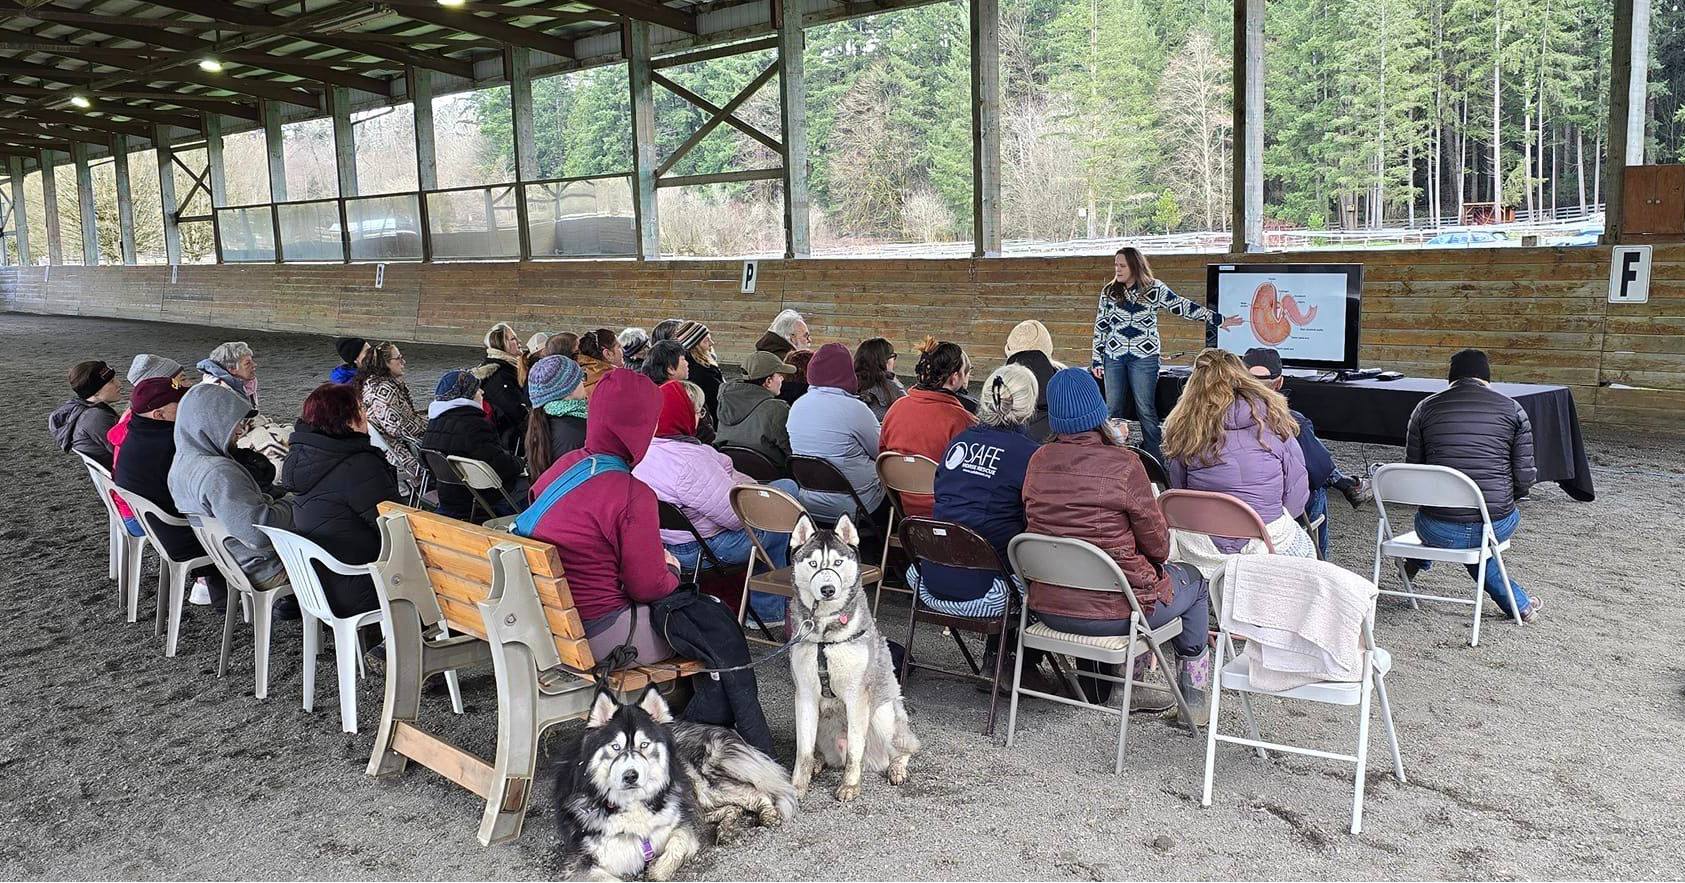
(1548, 752)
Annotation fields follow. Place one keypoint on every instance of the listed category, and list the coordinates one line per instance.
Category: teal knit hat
(1073, 402)
(553, 379)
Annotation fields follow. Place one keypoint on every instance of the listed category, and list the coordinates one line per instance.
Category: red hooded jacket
(607, 531)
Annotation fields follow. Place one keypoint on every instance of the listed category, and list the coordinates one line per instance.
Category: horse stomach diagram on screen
(1274, 315)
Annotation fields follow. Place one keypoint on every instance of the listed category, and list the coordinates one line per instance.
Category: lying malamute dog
(848, 703)
(633, 790)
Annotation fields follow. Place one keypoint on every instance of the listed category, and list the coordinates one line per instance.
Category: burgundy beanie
(833, 365)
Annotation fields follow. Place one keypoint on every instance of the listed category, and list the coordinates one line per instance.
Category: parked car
(1463, 239)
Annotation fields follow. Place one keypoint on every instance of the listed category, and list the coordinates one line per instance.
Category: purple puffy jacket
(1269, 475)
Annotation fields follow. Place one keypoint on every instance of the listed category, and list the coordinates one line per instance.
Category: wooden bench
(503, 599)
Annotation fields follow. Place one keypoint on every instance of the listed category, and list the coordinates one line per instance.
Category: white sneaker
(201, 594)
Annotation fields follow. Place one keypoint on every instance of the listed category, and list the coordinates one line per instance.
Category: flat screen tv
(1310, 313)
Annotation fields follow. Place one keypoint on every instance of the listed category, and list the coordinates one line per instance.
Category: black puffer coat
(1479, 432)
(144, 469)
(465, 432)
(508, 400)
(337, 482)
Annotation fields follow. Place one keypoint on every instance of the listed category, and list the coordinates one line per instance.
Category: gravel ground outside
(1547, 752)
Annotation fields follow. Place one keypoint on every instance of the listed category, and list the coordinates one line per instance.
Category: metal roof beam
(463, 20)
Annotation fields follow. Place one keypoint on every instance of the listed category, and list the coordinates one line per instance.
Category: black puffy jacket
(465, 432)
(508, 400)
(144, 469)
(337, 483)
(1481, 433)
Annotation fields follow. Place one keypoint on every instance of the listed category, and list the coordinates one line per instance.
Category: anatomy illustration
(1274, 314)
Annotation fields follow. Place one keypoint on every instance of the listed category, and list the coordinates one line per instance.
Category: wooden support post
(1628, 68)
(125, 203)
(50, 208)
(420, 86)
(636, 39)
(344, 140)
(1248, 184)
(271, 113)
(517, 63)
(85, 204)
(792, 96)
(20, 218)
(213, 160)
(167, 193)
(985, 128)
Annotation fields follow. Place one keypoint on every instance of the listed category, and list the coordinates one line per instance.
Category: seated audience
(562, 343)
(928, 418)
(599, 353)
(787, 336)
(1085, 484)
(338, 479)
(457, 424)
(751, 414)
(206, 480)
(1321, 471)
(557, 425)
(388, 407)
(633, 343)
(83, 423)
(704, 364)
(1485, 435)
(874, 372)
(351, 350)
(264, 444)
(698, 480)
(143, 367)
(1231, 434)
(666, 361)
(606, 530)
(832, 423)
(505, 388)
(537, 342)
(664, 330)
(149, 448)
(1031, 345)
(982, 488)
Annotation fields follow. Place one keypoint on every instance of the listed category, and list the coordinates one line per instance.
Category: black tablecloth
(1378, 412)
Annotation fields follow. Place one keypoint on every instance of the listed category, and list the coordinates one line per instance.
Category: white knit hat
(1029, 335)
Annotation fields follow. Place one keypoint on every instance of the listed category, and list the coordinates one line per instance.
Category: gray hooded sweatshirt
(204, 480)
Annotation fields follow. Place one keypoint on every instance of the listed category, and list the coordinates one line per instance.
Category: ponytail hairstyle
(538, 442)
(597, 344)
(1139, 268)
(938, 360)
(1009, 397)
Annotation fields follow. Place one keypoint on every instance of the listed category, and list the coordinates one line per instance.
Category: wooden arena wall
(1542, 313)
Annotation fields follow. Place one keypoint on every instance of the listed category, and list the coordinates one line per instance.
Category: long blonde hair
(1193, 433)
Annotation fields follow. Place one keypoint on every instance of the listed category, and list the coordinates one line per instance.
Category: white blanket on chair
(1198, 551)
(1302, 618)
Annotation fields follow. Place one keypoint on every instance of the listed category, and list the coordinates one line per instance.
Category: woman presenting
(1126, 344)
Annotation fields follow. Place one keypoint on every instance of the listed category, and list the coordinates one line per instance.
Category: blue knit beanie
(553, 379)
(1073, 402)
(458, 384)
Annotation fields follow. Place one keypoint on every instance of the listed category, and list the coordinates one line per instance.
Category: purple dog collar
(648, 848)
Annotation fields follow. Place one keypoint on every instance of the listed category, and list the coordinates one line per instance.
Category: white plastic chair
(1235, 675)
(123, 550)
(1418, 484)
(1075, 564)
(211, 534)
(299, 555)
(172, 574)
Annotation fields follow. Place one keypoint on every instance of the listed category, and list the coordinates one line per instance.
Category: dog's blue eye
(643, 746)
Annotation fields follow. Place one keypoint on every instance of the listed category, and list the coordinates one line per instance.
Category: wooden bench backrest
(456, 555)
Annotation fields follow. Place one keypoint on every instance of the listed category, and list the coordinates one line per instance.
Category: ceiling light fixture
(452, 3)
(81, 101)
(210, 65)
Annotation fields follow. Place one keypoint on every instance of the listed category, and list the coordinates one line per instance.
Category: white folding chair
(1075, 564)
(211, 534)
(172, 574)
(124, 550)
(481, 478)
(299, 555)
(1235, 675)
(1417, 484)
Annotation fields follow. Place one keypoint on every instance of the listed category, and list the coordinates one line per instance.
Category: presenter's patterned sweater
(1125, 327)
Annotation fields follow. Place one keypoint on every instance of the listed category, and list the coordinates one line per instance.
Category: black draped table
(1378, 412)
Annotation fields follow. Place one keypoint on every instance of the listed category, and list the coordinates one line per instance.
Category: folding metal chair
(1155, 470)
(763, 508)
(475, 476)
(1235, 674)
(1215, 515)
(955, 545)
(900, 474)
(212, 534)
(819, 475)
(673, 518)
(1075, 564)
(172, 574)
(1417, 484)
(752, 463)
(124, 550)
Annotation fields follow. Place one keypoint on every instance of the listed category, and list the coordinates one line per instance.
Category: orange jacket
(923, 422)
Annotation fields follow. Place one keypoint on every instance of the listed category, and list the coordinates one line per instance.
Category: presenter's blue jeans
(1442, 534)
(1136, 377)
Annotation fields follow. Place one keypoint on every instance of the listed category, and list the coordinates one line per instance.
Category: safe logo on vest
(975, 458)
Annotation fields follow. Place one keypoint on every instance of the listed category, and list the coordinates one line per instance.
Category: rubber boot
(1193, 675)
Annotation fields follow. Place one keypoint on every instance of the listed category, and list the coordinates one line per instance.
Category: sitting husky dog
(633, 789)
(848, 703)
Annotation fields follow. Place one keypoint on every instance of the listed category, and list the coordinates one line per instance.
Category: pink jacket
(697, 479)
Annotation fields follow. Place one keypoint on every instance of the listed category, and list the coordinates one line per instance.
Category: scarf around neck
(567, 408)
